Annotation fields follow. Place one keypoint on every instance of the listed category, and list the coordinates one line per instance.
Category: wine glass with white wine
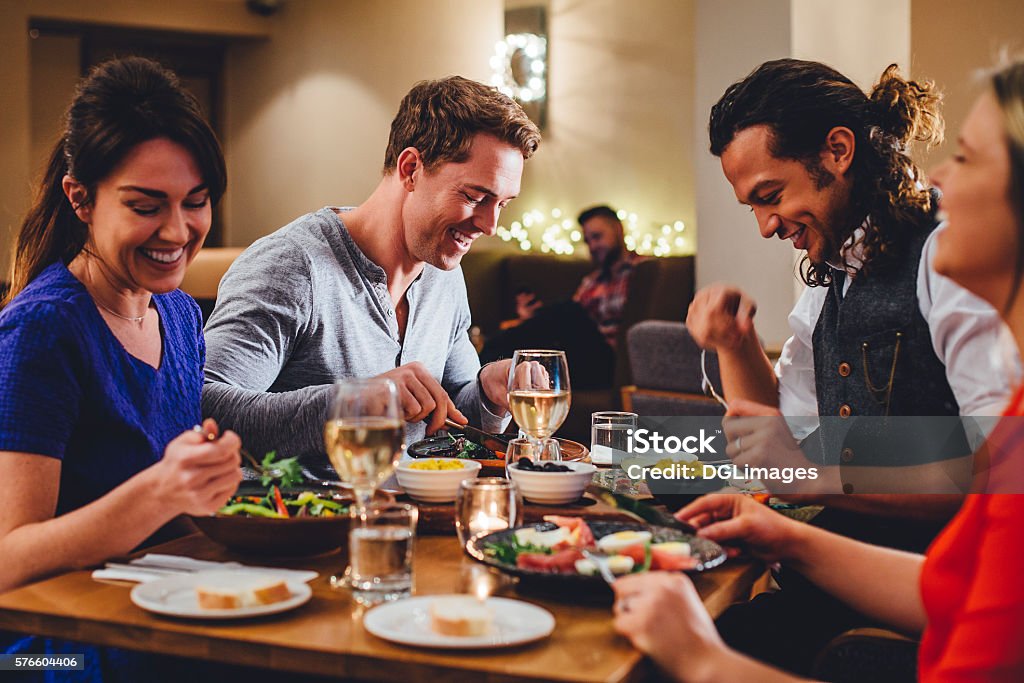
(539, 393)
(364, 434)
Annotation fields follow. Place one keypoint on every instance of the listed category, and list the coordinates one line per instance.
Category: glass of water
(380, 552)
(609, 436)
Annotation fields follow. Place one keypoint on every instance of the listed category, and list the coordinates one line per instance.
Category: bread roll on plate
(458, 615)
(233, 590)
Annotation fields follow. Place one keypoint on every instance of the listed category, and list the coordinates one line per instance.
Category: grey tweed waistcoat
(873, 358)
(872, 347)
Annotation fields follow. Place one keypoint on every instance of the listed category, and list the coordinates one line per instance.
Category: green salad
(276, 474)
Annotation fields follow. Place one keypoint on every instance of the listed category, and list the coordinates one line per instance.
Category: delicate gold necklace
(132, 319)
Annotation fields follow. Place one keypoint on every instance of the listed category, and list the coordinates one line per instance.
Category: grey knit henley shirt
(303, 307)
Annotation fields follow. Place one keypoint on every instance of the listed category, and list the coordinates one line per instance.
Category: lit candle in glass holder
(484, 523)
(486, 505)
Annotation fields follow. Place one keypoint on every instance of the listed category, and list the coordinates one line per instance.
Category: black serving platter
(708, 553)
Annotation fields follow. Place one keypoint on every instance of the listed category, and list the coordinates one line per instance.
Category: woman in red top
(967, 595)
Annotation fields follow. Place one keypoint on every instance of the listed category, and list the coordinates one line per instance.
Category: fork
(273, 472)
(601, 561)
(705, 382)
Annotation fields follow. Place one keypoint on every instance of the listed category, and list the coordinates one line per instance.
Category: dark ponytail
(51, 230)
(891, 187)
(122, 103)
(906, 111)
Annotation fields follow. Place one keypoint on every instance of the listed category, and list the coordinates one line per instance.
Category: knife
(638, 509)
(493, 442)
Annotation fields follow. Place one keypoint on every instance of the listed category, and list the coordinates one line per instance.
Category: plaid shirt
(604, 298)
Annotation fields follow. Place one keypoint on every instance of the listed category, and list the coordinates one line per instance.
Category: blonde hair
(1008, 86)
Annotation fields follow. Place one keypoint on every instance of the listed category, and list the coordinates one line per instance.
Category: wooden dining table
(326, 637)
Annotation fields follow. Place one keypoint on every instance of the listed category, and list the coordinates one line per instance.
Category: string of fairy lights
(553, 232)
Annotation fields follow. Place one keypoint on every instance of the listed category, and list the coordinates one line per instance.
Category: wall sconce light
(519, 65)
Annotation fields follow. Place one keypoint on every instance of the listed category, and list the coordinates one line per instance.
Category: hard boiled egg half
(613, 544)
(542, 539)
(680, 548)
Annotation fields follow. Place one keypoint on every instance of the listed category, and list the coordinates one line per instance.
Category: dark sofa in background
(661, 289)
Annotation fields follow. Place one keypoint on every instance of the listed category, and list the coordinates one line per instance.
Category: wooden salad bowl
(293, 537)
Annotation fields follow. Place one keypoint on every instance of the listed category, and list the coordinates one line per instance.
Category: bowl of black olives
(551, 483)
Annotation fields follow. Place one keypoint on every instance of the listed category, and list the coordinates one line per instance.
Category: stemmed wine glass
(539, 393)
(364, 434)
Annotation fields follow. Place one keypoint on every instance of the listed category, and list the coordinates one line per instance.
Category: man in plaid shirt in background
(603, 292)
(586, 327)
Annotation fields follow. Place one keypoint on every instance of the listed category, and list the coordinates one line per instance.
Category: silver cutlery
(706, 384)
(144, 569)
(601, 561)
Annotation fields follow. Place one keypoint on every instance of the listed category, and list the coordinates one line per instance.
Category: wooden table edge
(368, 666)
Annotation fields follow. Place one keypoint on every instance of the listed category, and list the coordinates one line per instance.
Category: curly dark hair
(801, 101)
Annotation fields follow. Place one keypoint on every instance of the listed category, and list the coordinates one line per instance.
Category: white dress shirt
(967, 334)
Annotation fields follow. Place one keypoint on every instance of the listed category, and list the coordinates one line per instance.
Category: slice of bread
(233, 590)
(460, 615)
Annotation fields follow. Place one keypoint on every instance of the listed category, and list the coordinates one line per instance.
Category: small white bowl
(553, 488)
(435, 486)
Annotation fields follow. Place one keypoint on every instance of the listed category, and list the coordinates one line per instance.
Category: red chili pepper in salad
(282, 509)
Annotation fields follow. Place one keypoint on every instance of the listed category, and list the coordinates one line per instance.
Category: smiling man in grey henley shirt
(375, 290)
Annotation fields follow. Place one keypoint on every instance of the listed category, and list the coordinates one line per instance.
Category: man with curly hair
(877, 332)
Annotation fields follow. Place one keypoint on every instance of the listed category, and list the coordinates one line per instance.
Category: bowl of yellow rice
(435, 480)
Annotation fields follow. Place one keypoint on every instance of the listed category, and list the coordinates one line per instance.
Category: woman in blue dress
(101, 356)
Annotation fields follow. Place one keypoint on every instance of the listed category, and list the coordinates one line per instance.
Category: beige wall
(732, 38)
(54, 69)
(620, 112)
(858, 38)
(308, 111)
(951, 41)
(871, 35)
(24, 130)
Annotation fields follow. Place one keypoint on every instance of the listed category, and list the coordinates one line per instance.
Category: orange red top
(972, 584)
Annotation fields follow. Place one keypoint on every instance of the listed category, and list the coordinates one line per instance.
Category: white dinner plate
(408, 622)
(176, 596)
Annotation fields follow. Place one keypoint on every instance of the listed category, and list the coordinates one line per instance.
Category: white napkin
(154, 566)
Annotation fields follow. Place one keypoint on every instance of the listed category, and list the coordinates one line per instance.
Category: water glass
(487, 504)
(380, 552)
(609, 436)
